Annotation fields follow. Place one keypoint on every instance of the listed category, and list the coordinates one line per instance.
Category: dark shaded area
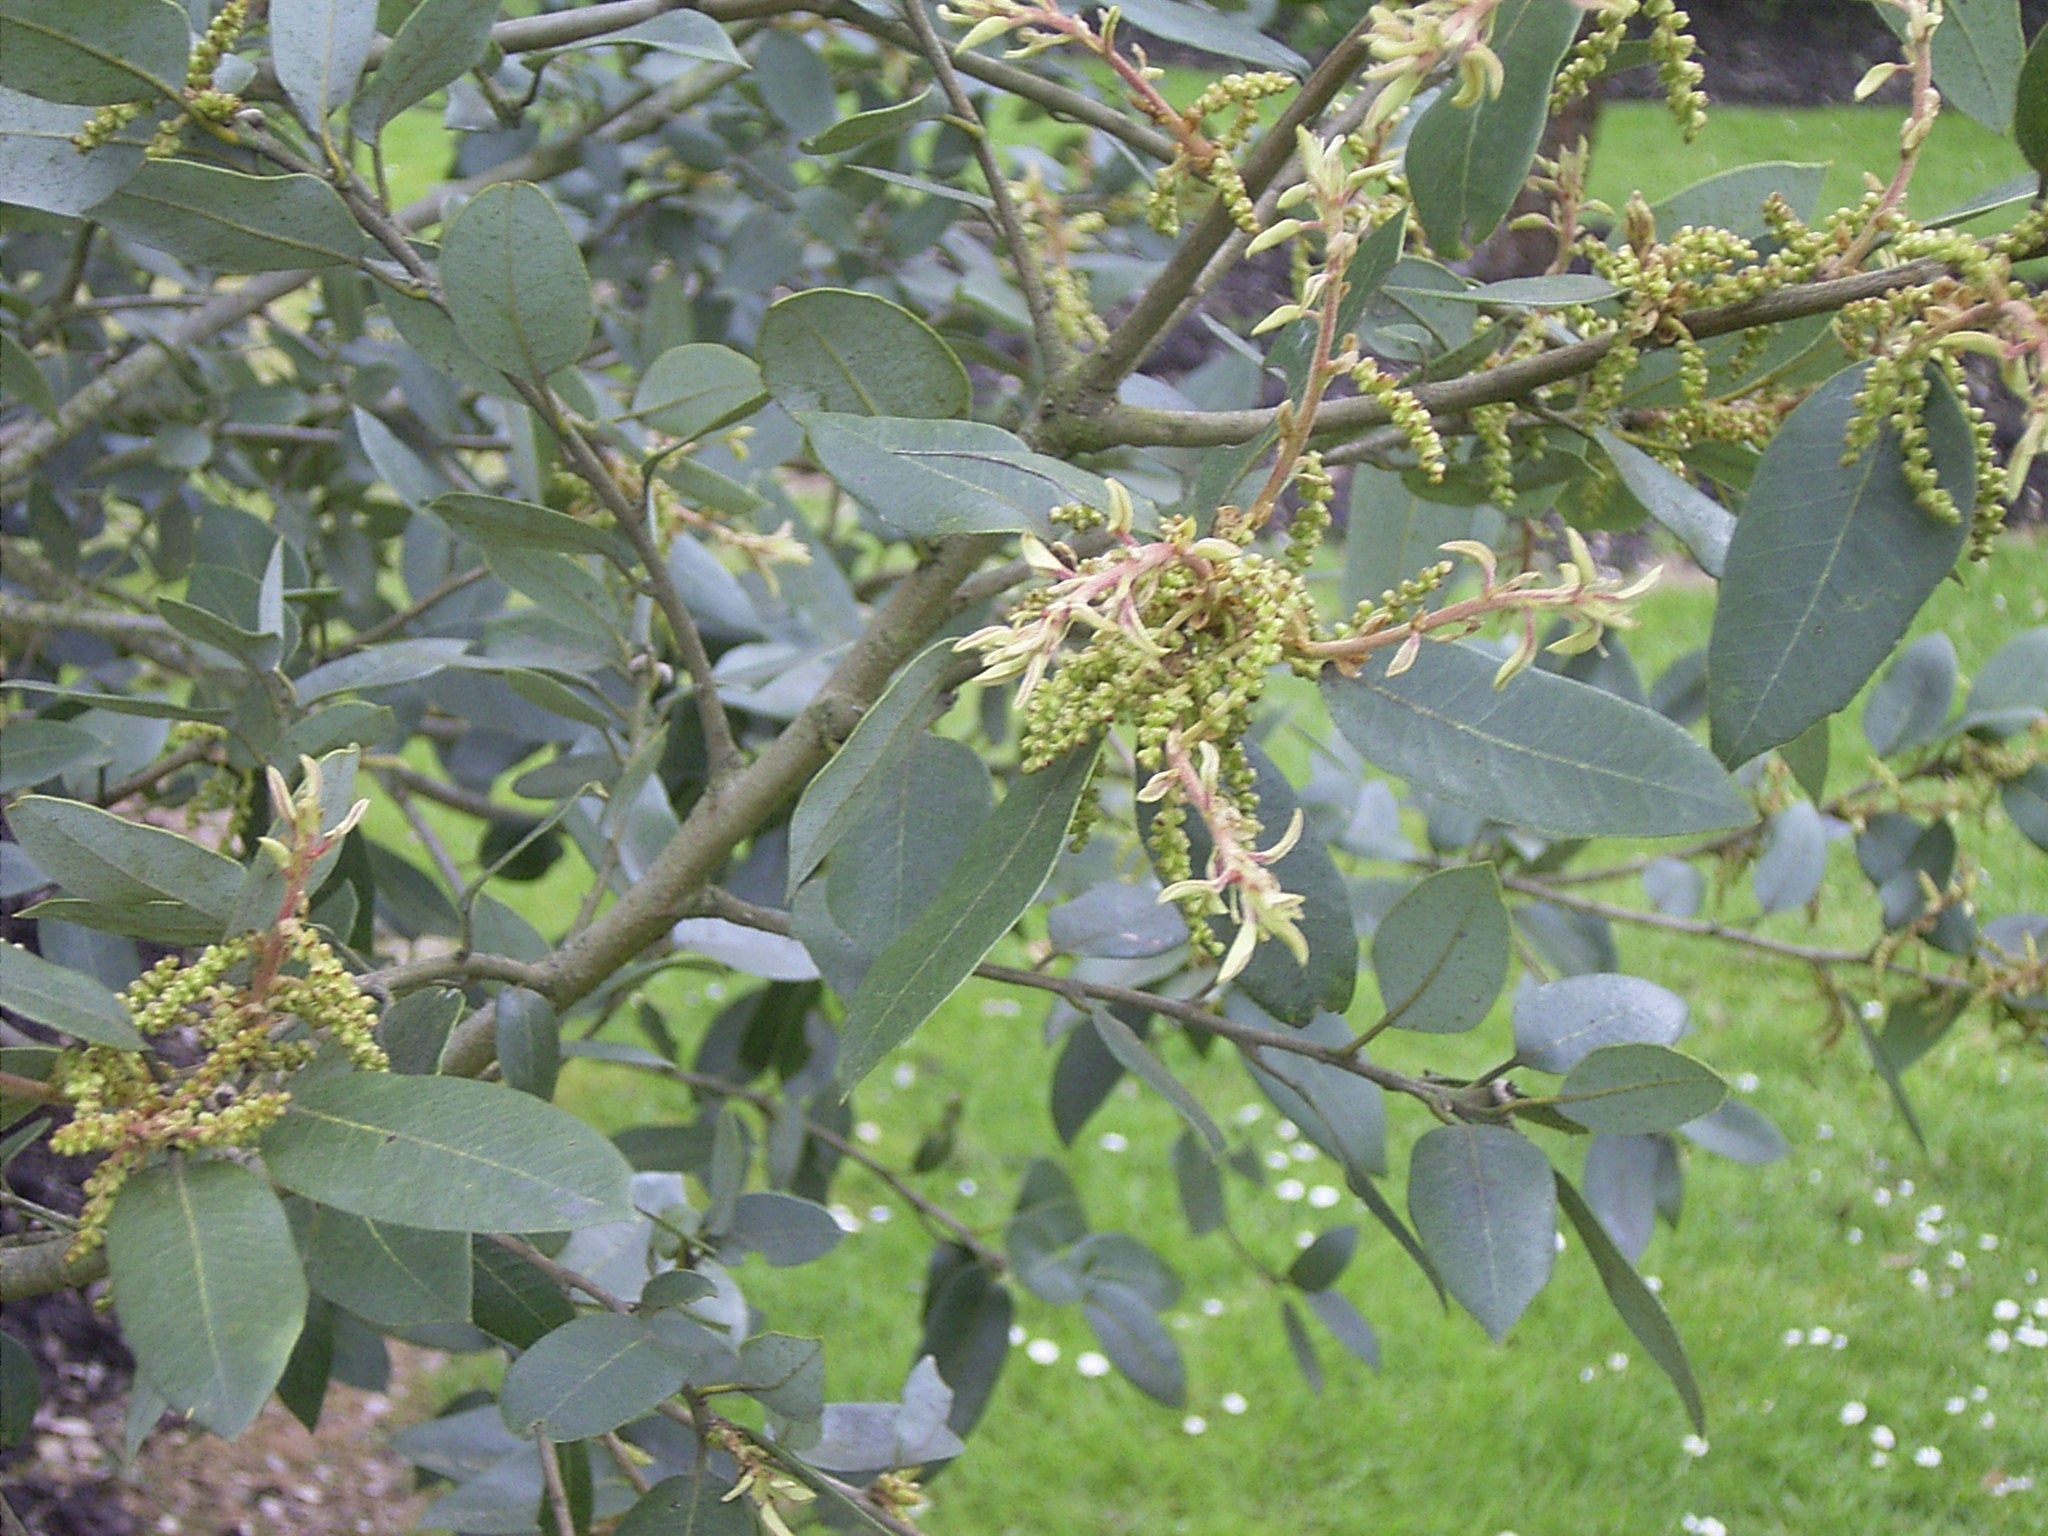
(1791, 52)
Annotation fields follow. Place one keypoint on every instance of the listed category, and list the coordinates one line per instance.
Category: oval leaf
(41, 168)
(64, 999)
(1136, 1342)
(1546, 753)
(318, 48)
(1485, 1206)
(1559, 1023)
(389, 1276)
(440, 40)
(1701, 523)
(588, 1377)
(34, 750)
(94, 52)
(1631, 1090)
(1442, 953)
(234, 223)
(207, 1283)
(935, 478)
(691, 390)
(2030, 110)
(1909, 706)
(1826, 568)
(96, 855)
(446, 1154)
(832, 349)
(517, 288)
(1795, 858)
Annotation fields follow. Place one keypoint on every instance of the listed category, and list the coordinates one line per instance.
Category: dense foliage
(739, 481)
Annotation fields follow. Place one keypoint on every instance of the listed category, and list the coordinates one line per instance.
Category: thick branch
(37, 1267)
(718, 823)
(1139, 426)
(1098, 376)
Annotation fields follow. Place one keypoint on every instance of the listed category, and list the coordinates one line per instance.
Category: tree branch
(1117, 425)
(38, 1266)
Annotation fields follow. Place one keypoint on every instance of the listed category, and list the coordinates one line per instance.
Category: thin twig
(383, 629)
(1045, 326)
(156, 772)
(551, 1479)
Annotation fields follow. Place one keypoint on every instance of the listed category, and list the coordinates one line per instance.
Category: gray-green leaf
(388, 1275)
(1701, 523)
(517, 288)
(1826, 568)
(438, 41)
(33, 750)
(446, 1154)
(832, 349)
(691, 390)
(1485, 1207)
(589, 1377)
(234, 223)
(1466, 163)
(1630, 1090)
(1545, 752)
(98, 856)
(41, 168)
(318, 48)
(94, 52)
(1559, 1023)
(207, 1282)
(999, 875)
(64, 999)
(1442, 953)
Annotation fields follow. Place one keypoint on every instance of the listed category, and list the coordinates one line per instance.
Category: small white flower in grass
(1617, 1361)
(1979, 1393)
(1747, 1082)
(1917, 1278)
(1089, 1363)
(1998, 1341)
(1855, 1236)
(1304, 1238)
(1988, 1241)
(1853, 1413)
(2011, 1485)
(1927, 1456)
(878, 1214)
(968, 1188)
(1823, 1132)
(1557, 1239)
(904, 1075)
(1290, 1190)
(1287, 1130)
(1923, 1233)
(1882, 1437)
(1303, 1152)
(1840, 1341)
(2032, 1337)
(848, 1222)
(1212, 1307)
(1881, 1196)
(1813, 1175)
(1233, 1403)
(1694, 1446)
(1653, 1284)
(1872, 1011)
(715, 990)
(1114, 1141)
(1001, 1008)
(1956, 1260)
(1905, 1189)
(867, 1131)
(1987, 1420)
(1794, 1337)
(1276, 1160)
(1933, 1213)
(1323, 1196)
(2005, 1310)
(2041, 1306)
(1248, 1114)
(1589, 1373)
(1017, 1335)
(1880, 1458)
(1955, 1405)
(1042, 1351)
(1819, 1335)
(1194, 1424)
